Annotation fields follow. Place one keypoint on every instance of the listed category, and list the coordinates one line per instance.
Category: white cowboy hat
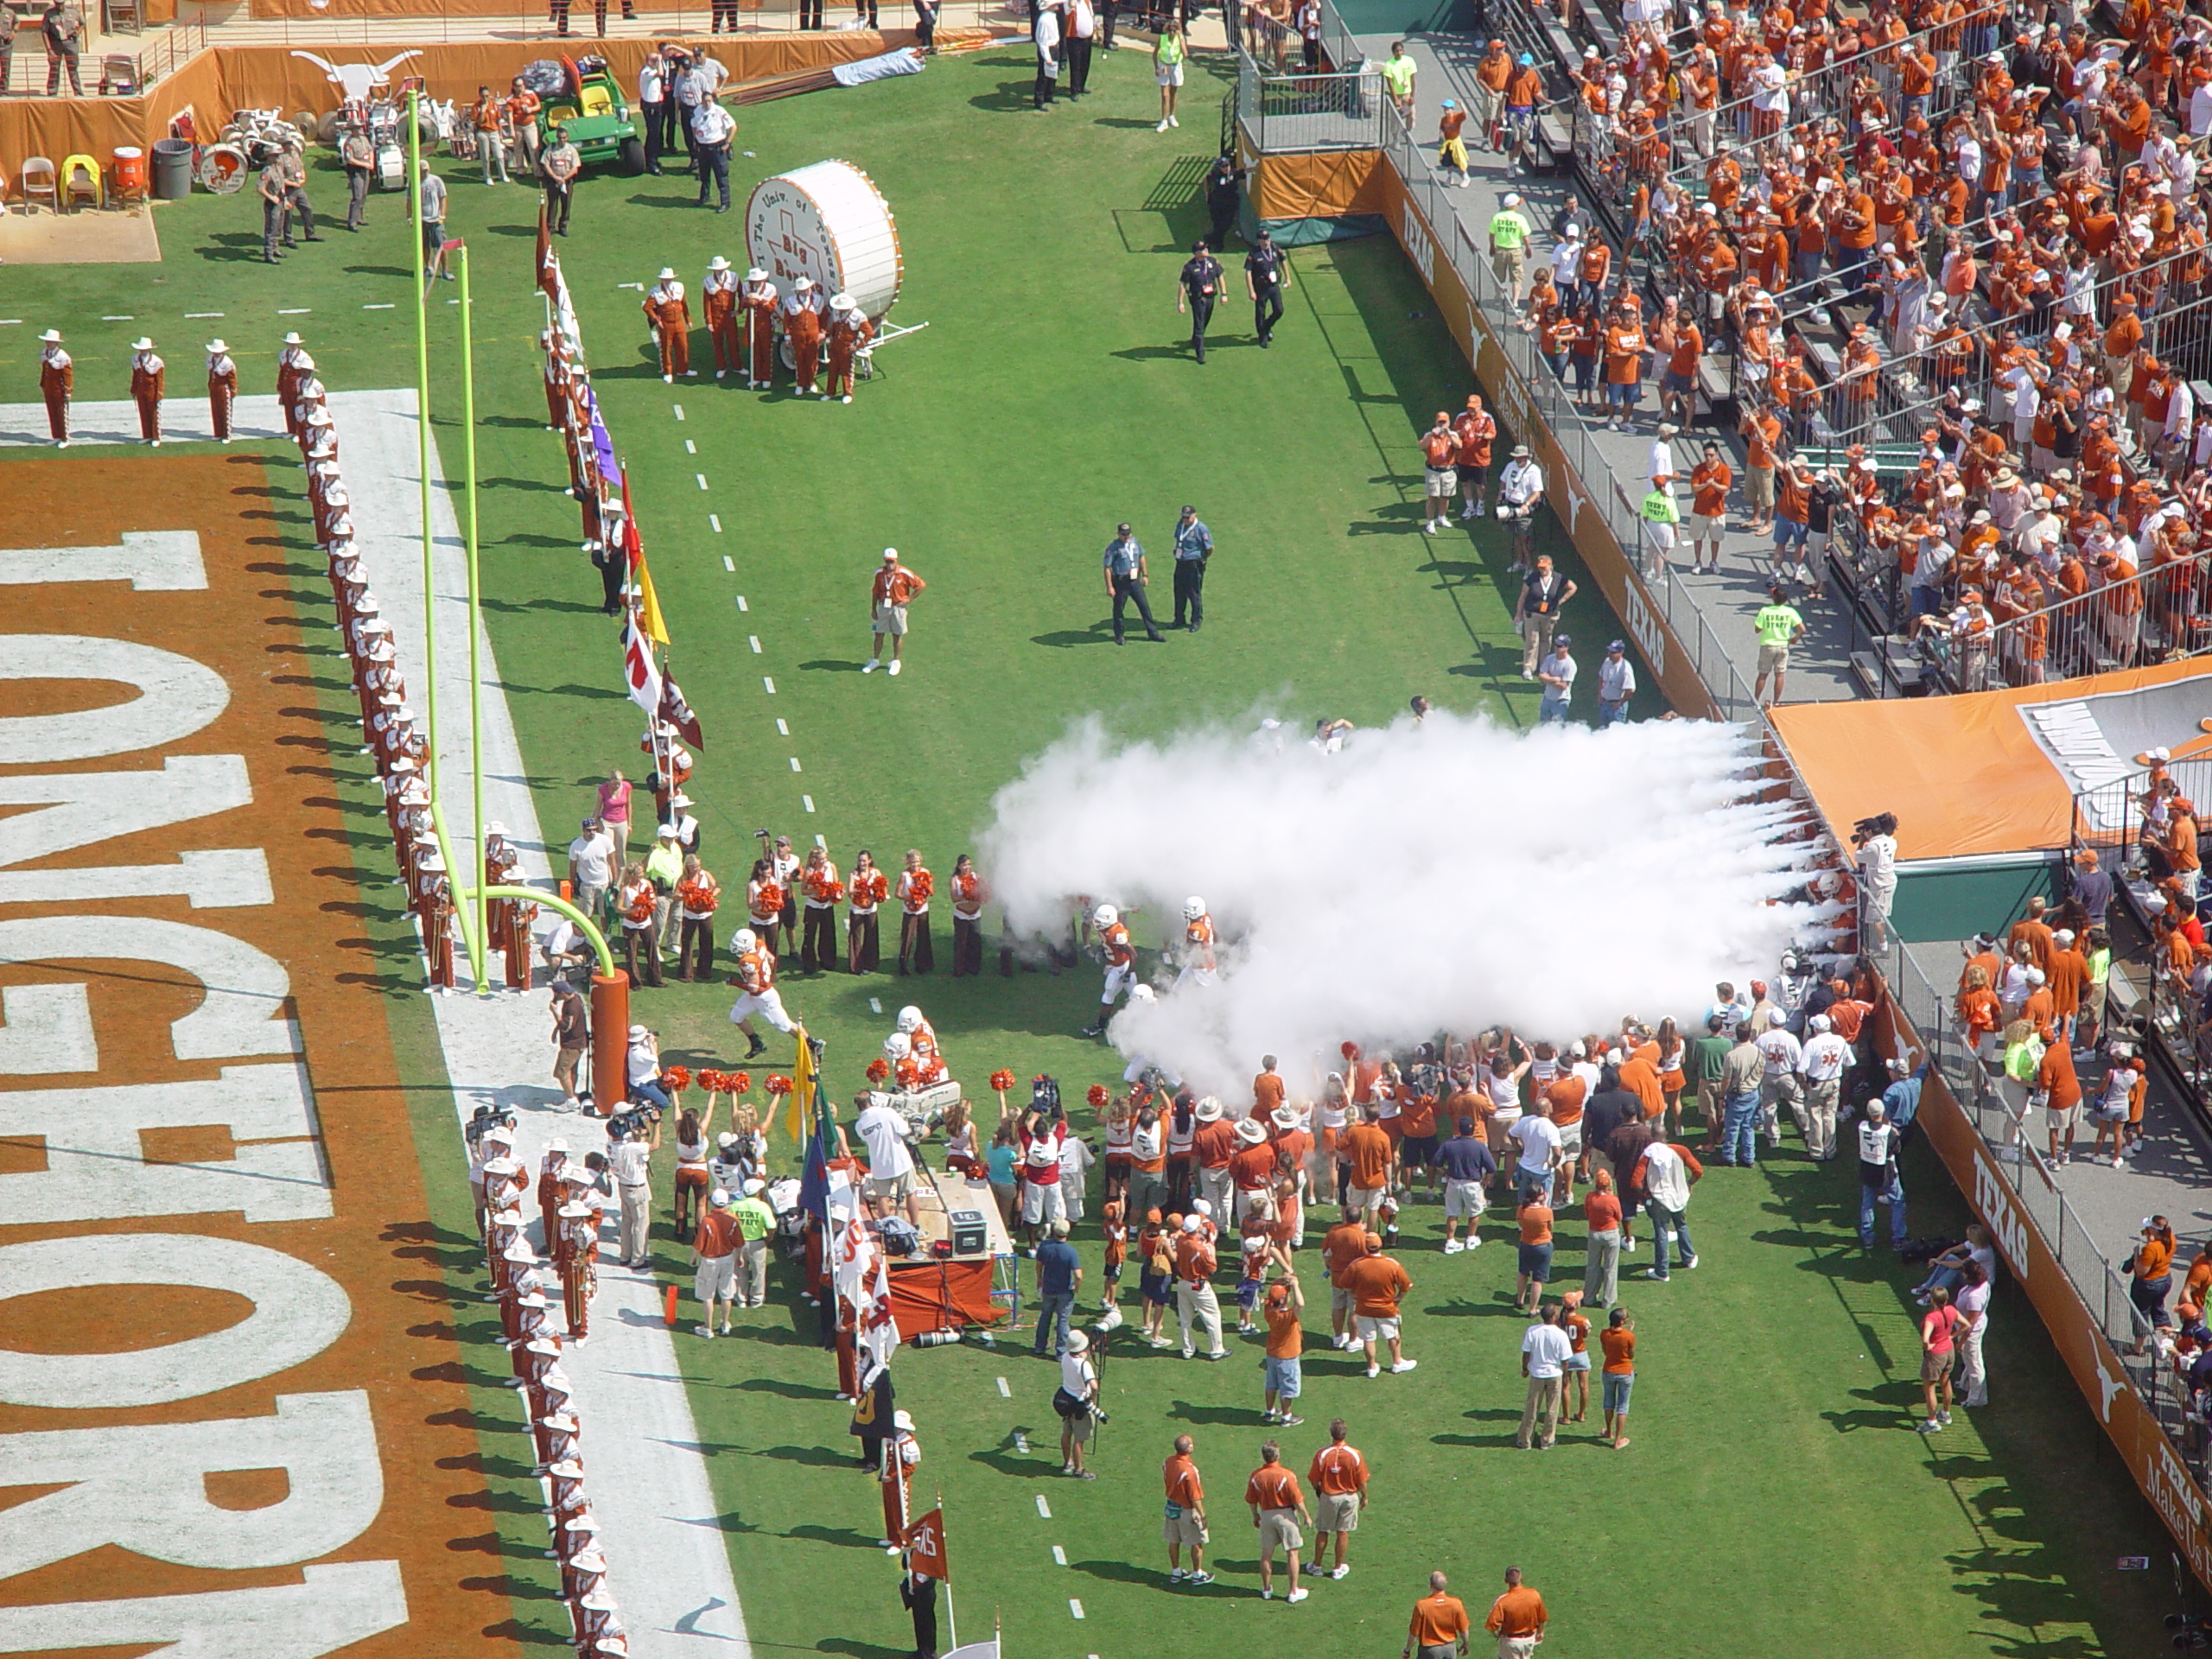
(216, 348)
(841, 302)
(718, 264)
(290, 339)
(52, 336)
(756, 275)
(1209, 1110)
(803, 282)
(144, 343)
(667, 274)
(1251, 1132)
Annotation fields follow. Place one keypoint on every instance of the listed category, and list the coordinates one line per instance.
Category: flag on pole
(641, 677)
(548, 266)
(803, 1085)
(633, 551)
(676, 712)
(602, 442)
(925, 1545)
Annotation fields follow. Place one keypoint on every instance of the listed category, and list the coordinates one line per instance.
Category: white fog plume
(1445, 877)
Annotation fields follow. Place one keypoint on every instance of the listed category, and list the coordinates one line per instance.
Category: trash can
(172, 169)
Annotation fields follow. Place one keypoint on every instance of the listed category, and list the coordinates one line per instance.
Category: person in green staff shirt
(1398, 72)
(1660, 515)
(1779, 627)
(1509, 246)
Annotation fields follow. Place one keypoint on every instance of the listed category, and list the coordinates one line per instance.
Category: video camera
(485, 1118)
(1045, 1096)
(633, 1124)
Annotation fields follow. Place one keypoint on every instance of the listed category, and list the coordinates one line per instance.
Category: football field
(1776, 1498)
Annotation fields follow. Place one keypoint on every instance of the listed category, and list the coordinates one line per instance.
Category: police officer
(359, 155)
(1193, 547)
(559, 166)
(1197, 287)
(1224, 196)
(712, 130)
(1125, 579)
(1265, 279)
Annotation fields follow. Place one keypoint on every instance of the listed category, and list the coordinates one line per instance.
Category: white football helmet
(1105, 916)
(1193, 907)
(1142, 993)
(896, 1047)
(910, 1017)
(744, 939)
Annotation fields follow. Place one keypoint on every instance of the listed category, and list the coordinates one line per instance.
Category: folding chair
(82, 177)
(123, 14)
(119, 75)
(38, 179)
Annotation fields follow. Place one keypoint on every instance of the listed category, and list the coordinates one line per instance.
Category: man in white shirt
(1538, 1139)
(629, 1161)
(652, 107)
(1046, 32)
(1082, 24)
(1782, 1082)
(1544, 1351)
(712, 130)
(1825, 1056)
(591, 866)
(1616, 684)
(890, 1160)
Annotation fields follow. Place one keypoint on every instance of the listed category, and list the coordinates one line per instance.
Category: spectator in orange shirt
(1377, 1284)
(1278, 1507)
(1368, 1150)
(1709, 481)
(1516, 1619)
(1185, 1524)
(1339, 1475)
(1535, 1257)
(1619, 1340)
(1438, 1629)
(1283, 1307)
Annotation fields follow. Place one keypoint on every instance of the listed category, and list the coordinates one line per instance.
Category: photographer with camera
(1077, 1401)
(1876, 842)
(1520, 493)
(1042, 1133)
(887, 1134)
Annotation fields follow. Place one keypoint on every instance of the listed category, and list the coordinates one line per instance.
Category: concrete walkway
(1818, 669)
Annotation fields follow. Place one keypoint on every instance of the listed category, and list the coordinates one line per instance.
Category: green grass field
(1775, 1500)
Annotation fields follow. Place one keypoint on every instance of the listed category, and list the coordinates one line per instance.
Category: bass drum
(830, 222)
(222, 170)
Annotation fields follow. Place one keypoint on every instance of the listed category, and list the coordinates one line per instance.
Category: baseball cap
(1616, 645)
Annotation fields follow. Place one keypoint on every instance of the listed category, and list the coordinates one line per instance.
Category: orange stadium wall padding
(59, 127)
(1329, 184)
(2076, 1331)
(1572, 497)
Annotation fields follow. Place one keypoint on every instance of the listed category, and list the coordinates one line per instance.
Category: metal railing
(1537, 391)
(1293, 114)
(1997, 1107)
(2162, 617)
(164, 50)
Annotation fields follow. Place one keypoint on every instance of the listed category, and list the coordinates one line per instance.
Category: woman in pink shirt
(614, 813)
(1938, 1336)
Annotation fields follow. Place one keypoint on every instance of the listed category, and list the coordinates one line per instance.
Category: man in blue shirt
(1193, 547)
(1467, 1165)
(1901, 1100)
(1059, 1275)
(1125, 580)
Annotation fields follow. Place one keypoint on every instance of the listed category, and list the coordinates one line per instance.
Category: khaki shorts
(1758, 488)
(1183, 1530)
(1279, 1531)
(1442, 480)
(1463, 1200)
(897, 1189)
(891, 618)
(1078, 1427)
(1376, 1329)
(1363, 1197)
(1705, 528)
(1934, 1368)
(1339, 1304)
(1337, 1512)
(1773, 659)
(715, 1278)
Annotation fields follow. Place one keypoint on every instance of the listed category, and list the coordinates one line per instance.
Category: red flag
(639, 675)
(546, 267)
(676, 712)
(926, 1546)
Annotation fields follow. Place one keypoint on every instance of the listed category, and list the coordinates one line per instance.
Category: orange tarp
(1968, 776)
(1330, 184)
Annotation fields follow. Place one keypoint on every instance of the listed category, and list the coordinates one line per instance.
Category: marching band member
(719, 295)
(759, 300)
(222, 388)
(848, 333)
(902, 1453)
(869, 890)
(292, 364)
(802, 328)
(669, 315)
(149, 378)
(577, 1261)
(756, 980)
(57, 379)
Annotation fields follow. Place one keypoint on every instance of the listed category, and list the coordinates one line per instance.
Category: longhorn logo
(358, 80)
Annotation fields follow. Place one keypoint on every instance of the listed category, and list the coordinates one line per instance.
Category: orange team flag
(926, 1546)
(633, 549)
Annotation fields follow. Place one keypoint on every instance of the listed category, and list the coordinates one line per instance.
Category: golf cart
(584, 96)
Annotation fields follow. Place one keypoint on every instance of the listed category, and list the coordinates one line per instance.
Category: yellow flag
(801, 1096)
(648, 616)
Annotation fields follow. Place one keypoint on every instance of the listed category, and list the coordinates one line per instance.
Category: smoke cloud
(1445, 877)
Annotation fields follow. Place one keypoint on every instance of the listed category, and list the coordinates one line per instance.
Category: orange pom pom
(739, 1083)
(1098, 1095)
(677, 1078)
(1002, 1080)
(878, 1069)
(779, 1084)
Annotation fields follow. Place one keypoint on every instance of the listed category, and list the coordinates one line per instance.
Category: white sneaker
(1453, 1246)
(1340, 1569)
(870, 666)
(1374, 1370)
(1429, 528)
(895, 666)
(1298, 1595)
(1162, 127)
(847, 399)
(1403, 1366)
(1474, 1244)
(707, 1331)
(1176, 1575)
(1173, 122)
(668, 379)
(1267, 1595)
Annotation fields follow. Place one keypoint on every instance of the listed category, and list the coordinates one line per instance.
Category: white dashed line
(794, 763)
(1075, 1607)
(302, 310)
(119, 319)
(821, 843)
(875, 1005)
(689, 447)
(728, 563)
(1005, 1393)
(754, 640)
(639, 286)
(809, 801)
(386, 305)
(1044, 1509)
(769, 685)
(16, 322)
(740, 602)
(702, 477)
(1059, 1556)
(782, 730)
(714, 522)
(678, 408)
(189, 316)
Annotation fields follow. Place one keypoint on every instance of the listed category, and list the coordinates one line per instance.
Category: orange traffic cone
(671, 1312)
